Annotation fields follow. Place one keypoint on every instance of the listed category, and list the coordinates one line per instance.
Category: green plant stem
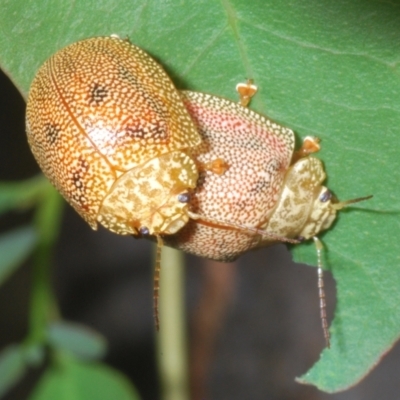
(171, 338)
(43, 304)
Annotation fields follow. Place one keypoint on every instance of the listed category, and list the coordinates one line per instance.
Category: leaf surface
(15, 247)
(76, 380)
(81, 341)
(12, 367)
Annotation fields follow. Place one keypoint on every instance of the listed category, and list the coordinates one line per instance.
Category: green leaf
(15, 247)
(24, 194)
(75, 380)
(78, 339)
(34, 353)
(12, 367)
(324, 68)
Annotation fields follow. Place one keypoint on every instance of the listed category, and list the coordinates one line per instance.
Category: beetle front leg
(246, 91)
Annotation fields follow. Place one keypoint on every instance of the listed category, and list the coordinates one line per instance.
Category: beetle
(299, 208)
(204, 174)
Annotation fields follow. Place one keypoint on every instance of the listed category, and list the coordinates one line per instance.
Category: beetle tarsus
(246, 91)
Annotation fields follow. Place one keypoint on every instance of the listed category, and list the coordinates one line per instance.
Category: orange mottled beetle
(130, 152)
(110, 131)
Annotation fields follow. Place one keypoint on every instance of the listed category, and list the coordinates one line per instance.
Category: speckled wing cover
(258, 153)
(98, 108)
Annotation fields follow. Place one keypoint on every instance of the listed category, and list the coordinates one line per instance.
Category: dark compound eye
(300, 238)
(326, 196)
(184, 197)
(144, 231)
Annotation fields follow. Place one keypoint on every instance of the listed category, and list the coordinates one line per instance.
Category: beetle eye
(326, 196)
(184, 197)
(144, 231)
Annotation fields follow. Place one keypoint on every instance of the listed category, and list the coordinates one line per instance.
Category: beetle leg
(321, 294)
(310, 145)
(156, 287)
(217, 166)
(241, 228)
(246, 92)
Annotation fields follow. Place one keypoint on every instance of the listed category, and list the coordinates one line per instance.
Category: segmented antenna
(342, 204)
(321, 293)
(156, 285)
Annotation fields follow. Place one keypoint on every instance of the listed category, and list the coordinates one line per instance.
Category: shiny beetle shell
(110, 131)
(264, 187)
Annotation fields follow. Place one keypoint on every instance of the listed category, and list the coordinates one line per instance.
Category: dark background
(270, 334)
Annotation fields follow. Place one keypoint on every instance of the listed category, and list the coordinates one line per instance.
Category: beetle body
(110, 131)
(264, 187)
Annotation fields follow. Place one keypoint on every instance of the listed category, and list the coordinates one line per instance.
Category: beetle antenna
(341, 204)
(156, 287)
(247, 229)
(321, 293)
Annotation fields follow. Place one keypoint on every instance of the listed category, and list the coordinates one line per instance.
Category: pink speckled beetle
(299, 208)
